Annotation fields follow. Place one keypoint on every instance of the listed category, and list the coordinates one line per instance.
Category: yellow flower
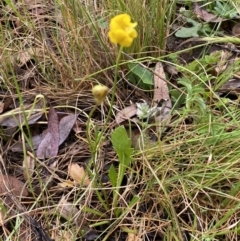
(99, 93)
(122, 30)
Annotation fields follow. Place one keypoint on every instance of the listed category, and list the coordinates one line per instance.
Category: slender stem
(94, 143)
(113, 95)
(90, 142)
(114, 84)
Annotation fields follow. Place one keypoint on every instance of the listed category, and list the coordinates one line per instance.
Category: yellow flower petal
(99, 93)
(122, 30)
(122, 20)
(133, 33)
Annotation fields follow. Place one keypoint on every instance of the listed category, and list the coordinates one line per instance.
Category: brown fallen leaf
(78, 174)
(17, 116)
(161, 92)
(11, 184)
(205, 15)
(49, 145)
(126, 113)
(65, 126)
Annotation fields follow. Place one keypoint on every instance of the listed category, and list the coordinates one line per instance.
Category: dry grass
(186, 184)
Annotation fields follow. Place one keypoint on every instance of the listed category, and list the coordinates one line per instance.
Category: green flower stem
(94, 143)
(90, 142)
(94, 147)
(114, 87)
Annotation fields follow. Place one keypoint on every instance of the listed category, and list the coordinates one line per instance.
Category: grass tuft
(180, 185)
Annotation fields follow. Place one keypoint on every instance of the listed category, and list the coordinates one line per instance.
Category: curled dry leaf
(12, 184)
(23, 57)
(126, 113)
(78, 174)
(142, 110)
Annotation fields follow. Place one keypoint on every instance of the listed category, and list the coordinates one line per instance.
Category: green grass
(184, 186)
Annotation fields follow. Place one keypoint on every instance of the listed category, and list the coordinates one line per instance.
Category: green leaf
(225, 10)
(122, 145)
(184, 32)
(134, 200)
(113, 175)
(178, 98)
(143, 74)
